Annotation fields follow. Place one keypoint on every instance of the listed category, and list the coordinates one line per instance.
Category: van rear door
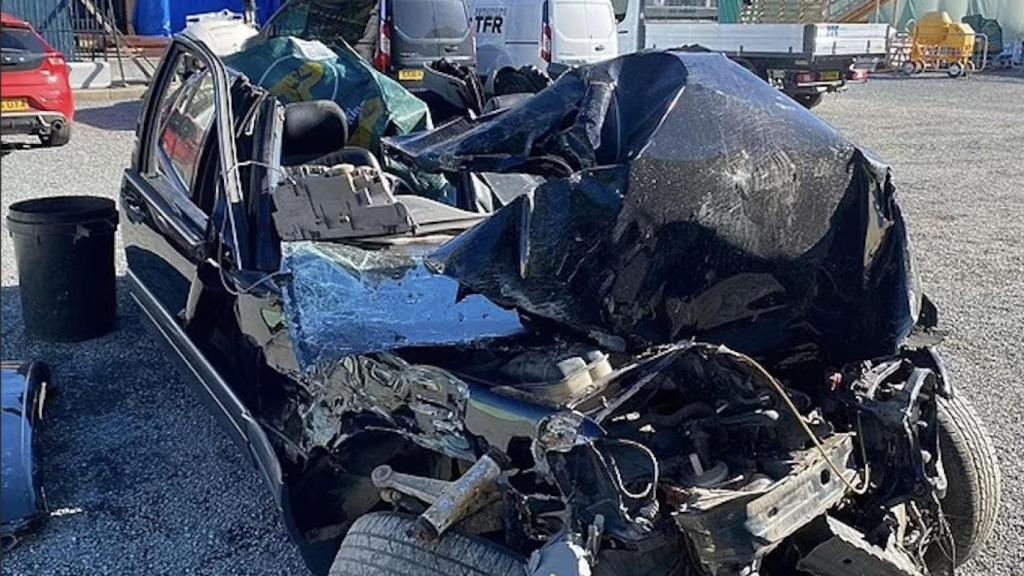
(583, 31)
(425, 31)
(601, 24)
(570, 35)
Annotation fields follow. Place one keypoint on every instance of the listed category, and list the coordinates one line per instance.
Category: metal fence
(80, 29)
(52, 18)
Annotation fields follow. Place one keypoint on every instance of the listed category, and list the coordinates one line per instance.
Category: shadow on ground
(7, 147)
(116, 116)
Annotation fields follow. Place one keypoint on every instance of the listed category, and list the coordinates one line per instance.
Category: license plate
(829, 76)
(14, 105)
(410, 75)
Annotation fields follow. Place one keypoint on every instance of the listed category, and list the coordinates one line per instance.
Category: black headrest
(312, 129)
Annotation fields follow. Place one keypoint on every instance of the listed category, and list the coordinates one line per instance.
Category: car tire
(59, 135)
(379, 544)
(809, 100)
(972, 471)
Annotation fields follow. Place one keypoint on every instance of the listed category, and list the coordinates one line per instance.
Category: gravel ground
(142, 480)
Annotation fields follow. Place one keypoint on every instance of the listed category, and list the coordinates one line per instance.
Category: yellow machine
(941, 44)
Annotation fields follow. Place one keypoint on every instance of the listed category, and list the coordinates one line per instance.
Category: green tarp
(298, 70)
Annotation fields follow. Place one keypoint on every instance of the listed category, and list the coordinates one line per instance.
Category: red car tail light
(858, 75)
(545, 35)
(383, 60)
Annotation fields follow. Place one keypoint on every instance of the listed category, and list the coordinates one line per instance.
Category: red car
(35, 95)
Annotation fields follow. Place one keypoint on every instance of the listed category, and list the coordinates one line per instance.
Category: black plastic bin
(64, 247)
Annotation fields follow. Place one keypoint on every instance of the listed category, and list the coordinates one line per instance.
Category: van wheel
(60, 134)
(378, 544)
(972, 471)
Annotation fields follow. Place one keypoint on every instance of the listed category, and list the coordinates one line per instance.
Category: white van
(515, 33)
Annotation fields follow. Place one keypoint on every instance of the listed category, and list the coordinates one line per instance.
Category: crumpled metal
(699, 203)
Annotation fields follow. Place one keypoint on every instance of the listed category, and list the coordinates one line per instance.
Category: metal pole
(117, 41)
(250, 12)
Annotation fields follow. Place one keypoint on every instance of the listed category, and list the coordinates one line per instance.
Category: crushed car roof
(699, 202)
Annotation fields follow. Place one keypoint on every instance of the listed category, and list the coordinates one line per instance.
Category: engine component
(393, 485)
(733, 530)
(562, 557)
(556, 379)
(845, 552)
(462, 497)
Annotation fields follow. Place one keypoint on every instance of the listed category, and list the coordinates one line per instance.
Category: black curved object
(65, 252)
(311, 130)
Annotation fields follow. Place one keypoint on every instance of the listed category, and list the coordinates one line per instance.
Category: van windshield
(429, 19)
(354, 21)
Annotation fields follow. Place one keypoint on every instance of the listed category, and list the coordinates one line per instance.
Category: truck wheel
(972, 498)
(378, 544)
(60, 134)
(809, 100)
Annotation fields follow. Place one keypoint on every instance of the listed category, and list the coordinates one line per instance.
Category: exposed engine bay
(694, 451)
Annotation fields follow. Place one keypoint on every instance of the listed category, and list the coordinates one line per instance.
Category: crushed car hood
(696, 201)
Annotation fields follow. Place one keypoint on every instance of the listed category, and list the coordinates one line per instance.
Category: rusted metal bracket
(449, 502)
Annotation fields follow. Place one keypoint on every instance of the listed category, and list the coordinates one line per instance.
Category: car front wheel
(972, 499)
(379, 544)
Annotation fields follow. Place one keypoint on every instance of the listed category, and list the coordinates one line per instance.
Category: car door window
(184, 121)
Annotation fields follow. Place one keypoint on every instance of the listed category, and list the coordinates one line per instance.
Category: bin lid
(62, 210)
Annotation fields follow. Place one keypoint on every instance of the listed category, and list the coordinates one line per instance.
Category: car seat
(311, 130)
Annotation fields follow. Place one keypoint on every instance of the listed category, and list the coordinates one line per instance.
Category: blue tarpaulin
(163, 17)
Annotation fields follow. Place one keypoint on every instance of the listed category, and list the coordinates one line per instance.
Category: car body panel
(23, 393)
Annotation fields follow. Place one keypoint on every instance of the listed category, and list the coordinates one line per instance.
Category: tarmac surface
(141, 479)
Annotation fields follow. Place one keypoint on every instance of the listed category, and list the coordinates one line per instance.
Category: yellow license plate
(14, 105)
(410, 75)
(829, 76)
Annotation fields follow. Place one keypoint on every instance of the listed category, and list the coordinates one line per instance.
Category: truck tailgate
(729, 38)
(846, 39)
(774, 40)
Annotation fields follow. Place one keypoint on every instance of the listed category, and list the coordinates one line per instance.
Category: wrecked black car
(664, 322)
